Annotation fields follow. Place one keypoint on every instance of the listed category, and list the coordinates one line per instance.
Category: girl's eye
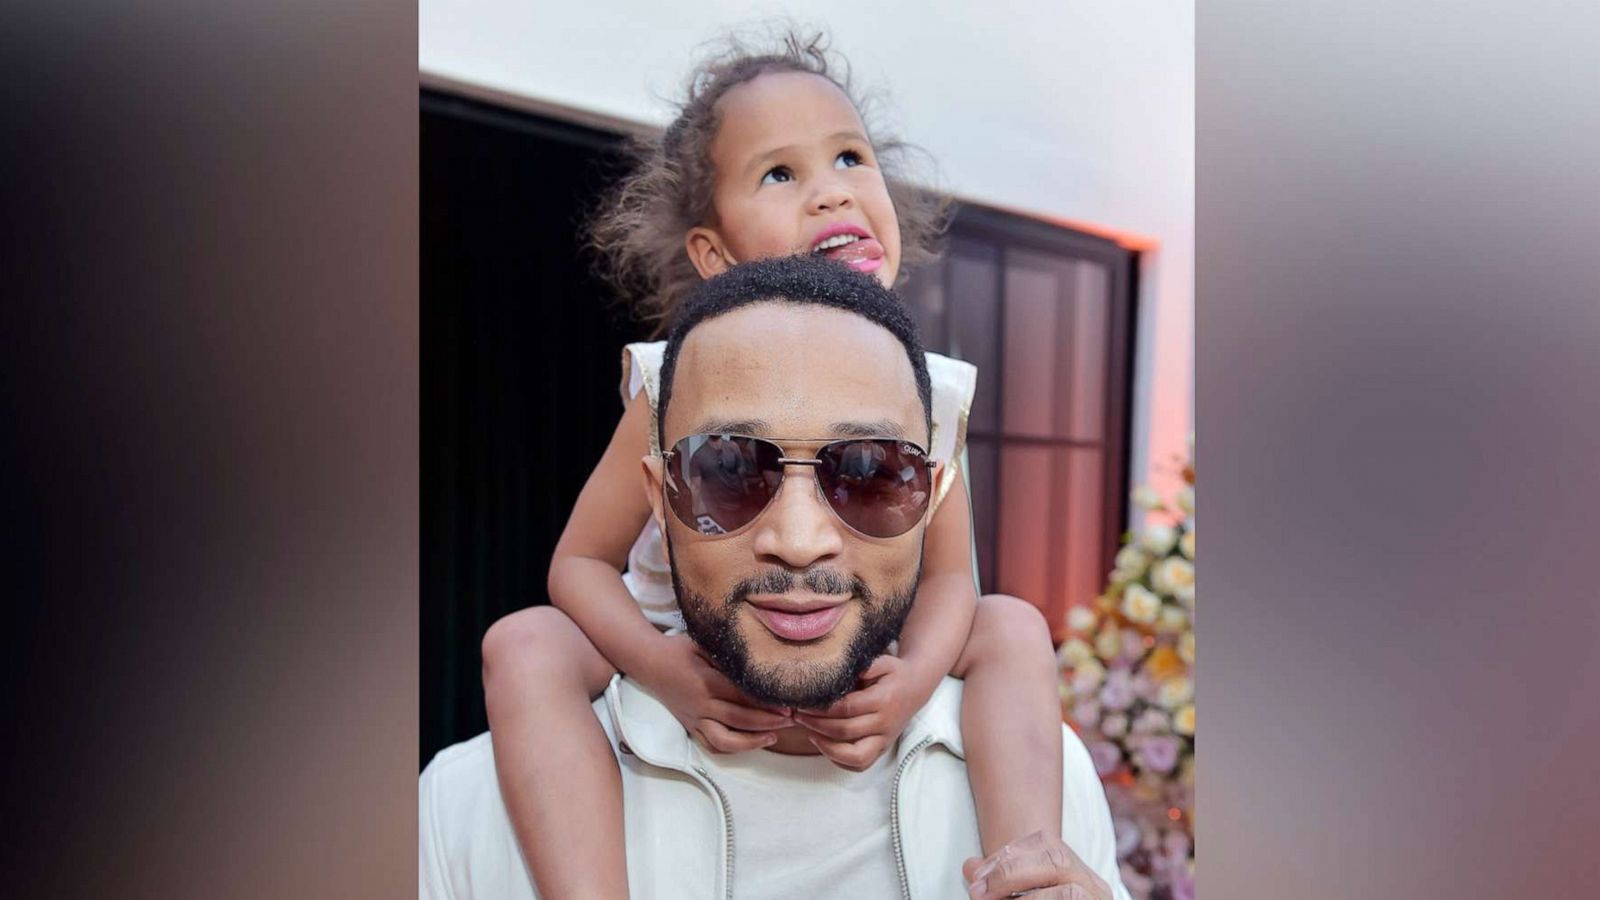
(777, 175)
(847, 159)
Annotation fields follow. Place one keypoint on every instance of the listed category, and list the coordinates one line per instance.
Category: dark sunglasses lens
(878, 487)
(719, 483)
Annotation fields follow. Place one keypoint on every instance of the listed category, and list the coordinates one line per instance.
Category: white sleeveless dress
(649, 578)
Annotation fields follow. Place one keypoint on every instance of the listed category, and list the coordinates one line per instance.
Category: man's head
(794, 603)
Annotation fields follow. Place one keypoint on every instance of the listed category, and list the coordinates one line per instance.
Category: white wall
(1063, 109)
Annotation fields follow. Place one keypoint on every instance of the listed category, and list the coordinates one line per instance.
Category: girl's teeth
(838, 240)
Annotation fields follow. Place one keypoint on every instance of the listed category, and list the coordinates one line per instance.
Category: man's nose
(799, 529)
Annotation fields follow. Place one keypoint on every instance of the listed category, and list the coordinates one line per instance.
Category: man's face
(792, 373)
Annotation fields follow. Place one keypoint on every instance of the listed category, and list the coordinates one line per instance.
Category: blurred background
(1064, 130)
(216, 388)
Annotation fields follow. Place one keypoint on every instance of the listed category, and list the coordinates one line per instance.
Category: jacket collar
(647, 729)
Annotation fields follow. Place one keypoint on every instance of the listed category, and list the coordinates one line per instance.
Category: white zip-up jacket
(682, 842)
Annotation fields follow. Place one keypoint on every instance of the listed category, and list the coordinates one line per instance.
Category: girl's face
(795, 173)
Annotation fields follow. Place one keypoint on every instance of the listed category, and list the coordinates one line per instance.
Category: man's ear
(654, 471)
(707, 252)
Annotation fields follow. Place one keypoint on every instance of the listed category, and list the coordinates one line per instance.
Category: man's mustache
(828, 582)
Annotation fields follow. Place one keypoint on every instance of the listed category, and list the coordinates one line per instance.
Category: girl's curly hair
(636, 233)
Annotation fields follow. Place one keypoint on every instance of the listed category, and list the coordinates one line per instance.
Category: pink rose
(1158, 753)
(1132, 644)
(1182, 884)
(1105, 756)
(1117, 693)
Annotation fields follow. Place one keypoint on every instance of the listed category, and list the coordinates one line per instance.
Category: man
(793, 491)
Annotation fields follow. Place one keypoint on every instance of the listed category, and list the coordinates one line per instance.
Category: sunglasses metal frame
(784, 462)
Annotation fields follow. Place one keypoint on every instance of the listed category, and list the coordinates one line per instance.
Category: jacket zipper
(894, 818)
(727, 827)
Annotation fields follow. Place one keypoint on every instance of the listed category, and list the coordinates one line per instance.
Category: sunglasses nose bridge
(810, 461)
(798, 527)
(800, 469)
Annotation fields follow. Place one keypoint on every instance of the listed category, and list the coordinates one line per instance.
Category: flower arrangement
(1128, 690)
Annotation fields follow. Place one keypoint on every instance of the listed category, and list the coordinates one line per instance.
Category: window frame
(1007, 233)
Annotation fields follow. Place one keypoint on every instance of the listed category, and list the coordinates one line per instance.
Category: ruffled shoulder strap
(641, 371)
(955, 383)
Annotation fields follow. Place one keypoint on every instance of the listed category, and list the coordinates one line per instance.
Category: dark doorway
(520, 355)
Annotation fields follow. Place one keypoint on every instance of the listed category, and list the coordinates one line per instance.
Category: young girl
(768, 156)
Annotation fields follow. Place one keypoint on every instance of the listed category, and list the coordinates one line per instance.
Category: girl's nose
(830, 197)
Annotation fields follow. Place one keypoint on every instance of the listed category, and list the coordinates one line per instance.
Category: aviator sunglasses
(719, 483)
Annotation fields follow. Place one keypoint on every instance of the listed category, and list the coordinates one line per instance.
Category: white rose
(1175, 693)
(1185, 595)
(1081, 618)
(1186, 499)
(1172, 575)
(1146, 497)
(1183, 720)
(1109, 642)
(1139, 605)
(1075, 653)
(1087, 677)
(1186, 543)
(1186, 647)
(1114, 726)
(1130, 563)
(1158, 539)
(1173, 619)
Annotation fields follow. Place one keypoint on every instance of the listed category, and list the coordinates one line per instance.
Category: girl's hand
(855, 731)
(706, 703)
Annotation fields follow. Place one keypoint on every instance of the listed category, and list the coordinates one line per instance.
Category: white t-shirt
(803, 827)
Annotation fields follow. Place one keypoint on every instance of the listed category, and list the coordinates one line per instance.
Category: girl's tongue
(864, 255)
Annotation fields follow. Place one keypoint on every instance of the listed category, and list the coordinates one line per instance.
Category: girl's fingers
(747, 718)
(722, 739)
(853, 755)
(841, 729)
(880, 667)
(855, 703)
(969, 869)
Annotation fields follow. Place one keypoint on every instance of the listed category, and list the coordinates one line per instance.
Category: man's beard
(806, 685)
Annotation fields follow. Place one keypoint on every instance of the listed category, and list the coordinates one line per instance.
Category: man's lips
(794, 619)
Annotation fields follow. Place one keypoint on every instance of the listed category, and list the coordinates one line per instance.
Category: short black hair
(804, 280)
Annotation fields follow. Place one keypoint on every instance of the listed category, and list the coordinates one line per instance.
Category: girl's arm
(586, 569)
(947, 599)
